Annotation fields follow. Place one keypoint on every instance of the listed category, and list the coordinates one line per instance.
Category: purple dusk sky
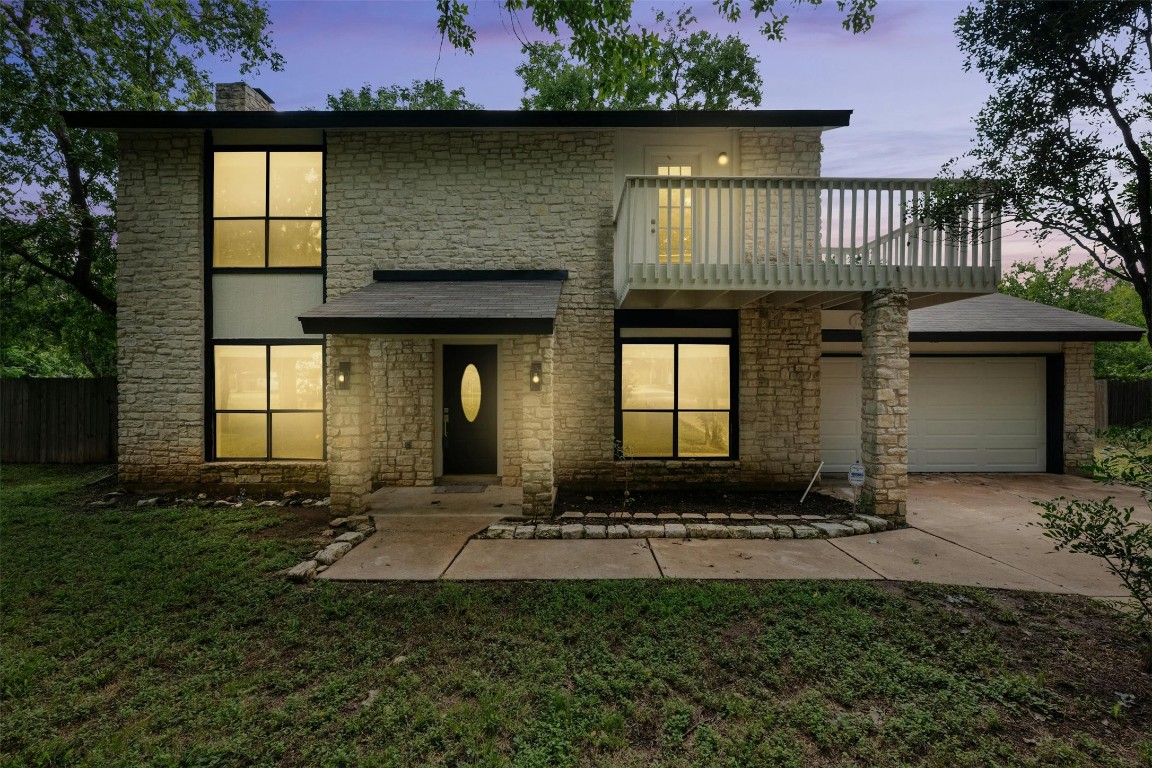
(912, 101)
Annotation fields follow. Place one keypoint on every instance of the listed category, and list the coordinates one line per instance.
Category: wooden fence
(57, 421)
(1123, 403)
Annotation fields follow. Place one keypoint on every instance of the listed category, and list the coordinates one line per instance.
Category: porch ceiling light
(722, 158)
(536, 377)
(343, 375)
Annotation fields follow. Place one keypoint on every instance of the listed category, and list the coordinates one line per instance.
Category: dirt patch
(701, 502)
(297, 523)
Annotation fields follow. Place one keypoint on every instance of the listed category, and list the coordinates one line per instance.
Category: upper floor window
(267, 208)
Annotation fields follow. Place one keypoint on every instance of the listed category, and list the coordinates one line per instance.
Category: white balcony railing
(810, 235)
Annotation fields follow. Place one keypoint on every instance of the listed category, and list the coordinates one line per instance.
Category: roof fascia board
(459, 120)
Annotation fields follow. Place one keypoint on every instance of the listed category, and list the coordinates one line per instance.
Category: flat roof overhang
(459, 119)
(450, 302)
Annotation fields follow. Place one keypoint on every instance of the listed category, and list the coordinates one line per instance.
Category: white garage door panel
(965, 414)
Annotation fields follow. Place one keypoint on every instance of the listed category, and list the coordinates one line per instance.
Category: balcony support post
(884, 416)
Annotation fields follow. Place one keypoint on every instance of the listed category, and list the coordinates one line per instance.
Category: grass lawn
(166, 637)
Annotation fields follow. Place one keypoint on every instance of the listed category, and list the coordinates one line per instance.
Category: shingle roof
(1007, 318)
(996, 317)
(445, 302)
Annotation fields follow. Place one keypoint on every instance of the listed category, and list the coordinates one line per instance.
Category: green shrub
(1101, 529)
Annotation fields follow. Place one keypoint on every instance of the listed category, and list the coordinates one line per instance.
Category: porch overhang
(434, 302)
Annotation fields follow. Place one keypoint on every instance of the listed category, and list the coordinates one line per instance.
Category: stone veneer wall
(884, 402)
(780, 153)
(160, 295)
(529, 428)
(403, 387)
(1079, 405)
(779, 394)
(488, 200)
(349, 423)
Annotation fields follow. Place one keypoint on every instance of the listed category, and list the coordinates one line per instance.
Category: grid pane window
(269, 401)
(267, 209)
(675, 400)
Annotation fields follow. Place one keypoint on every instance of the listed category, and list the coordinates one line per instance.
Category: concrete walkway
(968, 530)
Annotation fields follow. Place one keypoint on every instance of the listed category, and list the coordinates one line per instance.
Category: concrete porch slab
(494, 499)
(498, 559)
(912, 555)
(755, 559)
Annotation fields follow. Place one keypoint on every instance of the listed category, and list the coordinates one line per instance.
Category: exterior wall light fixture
(343, 375)
(536, 377)
(722, 158)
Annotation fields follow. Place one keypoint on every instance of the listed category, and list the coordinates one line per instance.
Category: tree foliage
(603, 32)
(1087, 289)
(56, 207)
(688, 70)
(420, 95)
(1063, 145)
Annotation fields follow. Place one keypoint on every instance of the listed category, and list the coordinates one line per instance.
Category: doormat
(459, 489)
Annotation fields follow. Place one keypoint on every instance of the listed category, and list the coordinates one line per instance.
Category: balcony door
(674, 225)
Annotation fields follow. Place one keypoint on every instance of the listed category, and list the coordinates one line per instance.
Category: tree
(603, 31)
(1087, 289)
(422, 94)
(57, 203)
(690, 70)
(1063, 145)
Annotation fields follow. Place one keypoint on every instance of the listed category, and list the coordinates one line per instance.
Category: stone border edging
(317, 562)
(824, 528)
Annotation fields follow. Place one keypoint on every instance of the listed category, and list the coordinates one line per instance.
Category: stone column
(1079, 405)
(536, 431)
(349, 425)
(884, 424)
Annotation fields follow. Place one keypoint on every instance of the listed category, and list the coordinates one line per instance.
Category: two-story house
(343, 300)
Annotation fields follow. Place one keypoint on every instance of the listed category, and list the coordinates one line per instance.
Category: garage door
(966, 414)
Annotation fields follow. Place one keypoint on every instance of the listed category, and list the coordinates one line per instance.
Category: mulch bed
(700, 501)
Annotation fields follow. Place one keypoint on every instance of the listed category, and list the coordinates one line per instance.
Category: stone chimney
(241, 97)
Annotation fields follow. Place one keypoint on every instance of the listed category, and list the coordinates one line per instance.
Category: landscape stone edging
(683, 527)
(361, 527)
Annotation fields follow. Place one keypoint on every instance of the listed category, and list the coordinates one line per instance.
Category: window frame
(212, 218)
(268, 410)
(670, 321)
(210, 148)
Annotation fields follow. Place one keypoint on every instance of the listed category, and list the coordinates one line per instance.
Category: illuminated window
(267, 209)
(269, 401)
(675, 397)
(674, 215)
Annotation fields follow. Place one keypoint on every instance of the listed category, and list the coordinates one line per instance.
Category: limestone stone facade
(485, 199)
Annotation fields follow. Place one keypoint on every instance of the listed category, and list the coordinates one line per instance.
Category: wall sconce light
(722, 158)
(343, 375)
(536, 377)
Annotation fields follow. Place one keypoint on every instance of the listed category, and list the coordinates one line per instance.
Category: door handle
(445, 422)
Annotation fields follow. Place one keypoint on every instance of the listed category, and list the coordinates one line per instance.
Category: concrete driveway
(971, 530)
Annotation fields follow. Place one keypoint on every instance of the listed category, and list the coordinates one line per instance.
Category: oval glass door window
(470, 392)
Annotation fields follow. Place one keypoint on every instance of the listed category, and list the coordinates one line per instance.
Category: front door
(469, 426)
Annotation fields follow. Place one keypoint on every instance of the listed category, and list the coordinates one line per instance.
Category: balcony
(697, 242)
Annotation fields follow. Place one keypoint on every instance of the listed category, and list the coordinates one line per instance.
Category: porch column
(536, 430)
(349, 425)
(884, 417)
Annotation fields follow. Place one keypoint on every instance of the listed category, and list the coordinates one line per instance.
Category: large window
(269, 401)
(675, 396)
(267, 209)
(266, 378)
